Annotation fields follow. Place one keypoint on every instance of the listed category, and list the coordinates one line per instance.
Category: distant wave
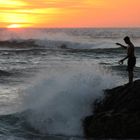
(48, 45)
(5, 73)
(84, 38)
(51, 44)
(18, 43)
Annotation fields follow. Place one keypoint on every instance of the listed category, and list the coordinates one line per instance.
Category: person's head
(127, 40)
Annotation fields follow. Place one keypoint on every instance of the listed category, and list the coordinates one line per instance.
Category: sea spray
(61, 98)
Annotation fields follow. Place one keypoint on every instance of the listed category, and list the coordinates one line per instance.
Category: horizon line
(123, 27)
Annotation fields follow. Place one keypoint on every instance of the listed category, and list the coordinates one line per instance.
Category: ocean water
(49, 78)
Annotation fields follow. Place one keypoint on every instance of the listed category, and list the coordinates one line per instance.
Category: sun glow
(14, 26)
(73, 13)
(12, 3)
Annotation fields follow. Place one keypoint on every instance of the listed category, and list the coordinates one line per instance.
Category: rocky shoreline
(117, 115)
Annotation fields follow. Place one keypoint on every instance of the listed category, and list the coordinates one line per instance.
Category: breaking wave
(61, 98)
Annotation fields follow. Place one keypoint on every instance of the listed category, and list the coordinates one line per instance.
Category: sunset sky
(69, 13)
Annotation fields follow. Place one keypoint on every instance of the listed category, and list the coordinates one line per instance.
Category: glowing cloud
(14, 26)
(11, 3)
(73, 13)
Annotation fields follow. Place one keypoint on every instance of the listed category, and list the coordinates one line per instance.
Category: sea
(49, 78)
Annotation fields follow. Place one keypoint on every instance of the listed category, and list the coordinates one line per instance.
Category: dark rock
(117, 115)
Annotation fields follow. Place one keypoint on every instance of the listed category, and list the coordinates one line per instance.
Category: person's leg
(130, 67)
(130, 75)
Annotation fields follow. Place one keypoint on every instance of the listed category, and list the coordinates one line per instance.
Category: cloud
(12, 3)
(66, 12)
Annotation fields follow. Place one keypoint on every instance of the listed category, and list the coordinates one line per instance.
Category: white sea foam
(61, 98)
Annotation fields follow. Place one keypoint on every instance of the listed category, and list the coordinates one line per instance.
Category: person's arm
(125, 47)
(121, 61)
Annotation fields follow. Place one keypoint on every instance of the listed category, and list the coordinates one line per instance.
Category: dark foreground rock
(117, 115)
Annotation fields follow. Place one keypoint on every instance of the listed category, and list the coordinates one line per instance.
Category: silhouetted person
(130, 56)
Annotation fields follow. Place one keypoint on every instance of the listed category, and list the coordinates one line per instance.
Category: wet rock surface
(117, 115)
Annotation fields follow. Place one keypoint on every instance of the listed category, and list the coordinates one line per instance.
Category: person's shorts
(131, 63)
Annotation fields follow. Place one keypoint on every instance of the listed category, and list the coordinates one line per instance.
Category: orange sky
(69, 13)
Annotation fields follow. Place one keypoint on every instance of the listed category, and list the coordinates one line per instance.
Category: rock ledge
(117, 115)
